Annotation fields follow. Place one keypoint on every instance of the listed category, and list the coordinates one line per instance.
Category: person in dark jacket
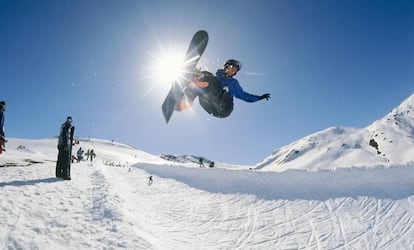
(79, 155)
(65, 149)
(201, 162)
(2, 134)
(216, 93)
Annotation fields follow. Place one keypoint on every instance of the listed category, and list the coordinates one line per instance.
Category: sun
(169, 65)
(172, 66)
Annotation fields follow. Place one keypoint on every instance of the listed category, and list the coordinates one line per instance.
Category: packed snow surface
(109, 204)
(341, 188)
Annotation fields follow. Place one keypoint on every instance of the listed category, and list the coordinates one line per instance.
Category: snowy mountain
(185, 158)
(387, 141)
(358, 195)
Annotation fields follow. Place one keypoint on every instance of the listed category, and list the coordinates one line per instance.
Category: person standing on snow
(65, 149)
(2, 134)
(92, 154)
(79, 154)
(201, 162)
(216, 93)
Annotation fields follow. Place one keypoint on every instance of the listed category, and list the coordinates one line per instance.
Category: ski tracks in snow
(344, 209)
(49, 213)
(106, 207)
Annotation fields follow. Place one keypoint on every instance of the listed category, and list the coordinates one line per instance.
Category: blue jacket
(234, 87)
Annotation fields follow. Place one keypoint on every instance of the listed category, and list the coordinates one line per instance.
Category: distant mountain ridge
(185, 158)
(389, 140)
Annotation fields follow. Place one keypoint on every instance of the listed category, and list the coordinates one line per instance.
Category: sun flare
(169, 66)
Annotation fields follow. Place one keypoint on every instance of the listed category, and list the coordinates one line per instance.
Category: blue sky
(326, 63)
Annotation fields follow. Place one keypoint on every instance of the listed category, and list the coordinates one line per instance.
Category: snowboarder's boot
(194, 88)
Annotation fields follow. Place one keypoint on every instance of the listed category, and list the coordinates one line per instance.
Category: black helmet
(234, 63)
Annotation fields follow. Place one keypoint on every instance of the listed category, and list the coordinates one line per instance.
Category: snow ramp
(396, 182)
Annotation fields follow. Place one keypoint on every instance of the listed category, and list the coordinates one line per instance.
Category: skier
(216, 93)
(65, 149)
(2, 134)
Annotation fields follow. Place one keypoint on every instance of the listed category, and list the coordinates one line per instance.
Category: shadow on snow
(29, 182)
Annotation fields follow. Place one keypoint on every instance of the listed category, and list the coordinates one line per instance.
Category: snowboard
(197, 46)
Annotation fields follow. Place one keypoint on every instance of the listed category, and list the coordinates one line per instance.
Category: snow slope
(112, 206)
(387, 141)
(341, 188)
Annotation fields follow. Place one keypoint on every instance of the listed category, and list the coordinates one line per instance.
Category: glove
(265, 96)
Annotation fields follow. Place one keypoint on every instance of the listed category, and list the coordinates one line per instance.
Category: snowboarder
(65, 149)
(150, 180)
(2, 134)
(216, 93)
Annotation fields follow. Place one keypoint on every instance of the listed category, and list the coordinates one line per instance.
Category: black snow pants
(214, 99)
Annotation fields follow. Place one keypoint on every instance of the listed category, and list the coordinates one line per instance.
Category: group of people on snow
(201, 163)
(65, 143)
(90, 154)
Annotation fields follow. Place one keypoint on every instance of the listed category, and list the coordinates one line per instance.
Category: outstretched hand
(265, 96)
